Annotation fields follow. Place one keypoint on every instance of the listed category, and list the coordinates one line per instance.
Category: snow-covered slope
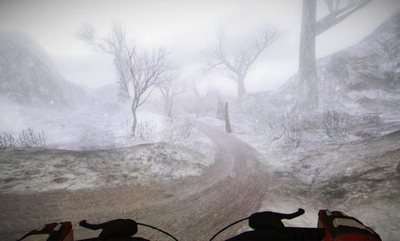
(29, 43)
(27, 75)
(39, 170)
(363, 78)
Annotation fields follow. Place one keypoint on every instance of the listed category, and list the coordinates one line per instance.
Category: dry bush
(335, 124)
(292, 131)
(28, 138)
(7, 141)
(178, 128)
(146, 131)
(186, 125)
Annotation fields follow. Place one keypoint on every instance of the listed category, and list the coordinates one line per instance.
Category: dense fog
(190, 115)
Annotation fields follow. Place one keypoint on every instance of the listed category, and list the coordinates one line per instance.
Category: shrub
(178, 128)
(292, 132)
(186, 125)
(335, 124)
(146, 131)
(28, 138)
(7, 141)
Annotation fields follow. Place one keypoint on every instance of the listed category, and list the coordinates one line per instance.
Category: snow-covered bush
(28, 138)
(146, 131)
(335, 124)
(7, 141)
(292, 132)
(178, 128)
(186, 125)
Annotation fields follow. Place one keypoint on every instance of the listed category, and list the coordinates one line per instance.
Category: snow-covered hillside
(185, 166)
(357, 172)
(92, 147)
(364, 78)
(27, 76)
(34, 95)
(30, 44)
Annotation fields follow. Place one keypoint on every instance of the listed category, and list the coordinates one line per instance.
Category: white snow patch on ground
(37, 170)
(93, 147)
(313, 175)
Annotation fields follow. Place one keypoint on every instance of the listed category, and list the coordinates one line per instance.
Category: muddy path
(190, 209)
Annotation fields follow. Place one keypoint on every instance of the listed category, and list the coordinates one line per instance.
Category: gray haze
(185, 28)
(193, 157)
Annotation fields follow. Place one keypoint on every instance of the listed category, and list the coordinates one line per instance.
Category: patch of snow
(74, 137)
(37, 170)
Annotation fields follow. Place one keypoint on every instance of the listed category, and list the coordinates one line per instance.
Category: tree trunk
(308, 82)
(228, 128)
(241, 87)
(170, 109)
(167, 107)
(134, 123)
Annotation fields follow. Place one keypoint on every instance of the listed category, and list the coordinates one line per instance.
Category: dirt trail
(190, 209)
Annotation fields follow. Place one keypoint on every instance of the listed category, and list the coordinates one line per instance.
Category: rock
(32, 172)
(60, 180)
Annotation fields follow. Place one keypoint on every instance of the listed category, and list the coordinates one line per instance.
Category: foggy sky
(186, 28)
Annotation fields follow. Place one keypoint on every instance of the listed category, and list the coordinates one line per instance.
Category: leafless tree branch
(139, 72)
(337, 13)
(237, 65)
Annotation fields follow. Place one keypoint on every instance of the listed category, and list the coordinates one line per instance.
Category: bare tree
(170, 90)
(139, 72)
(310, 29)
(238, 64)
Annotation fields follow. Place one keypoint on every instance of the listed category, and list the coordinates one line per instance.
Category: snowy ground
(356, 174)
(165, 151)
(36, 170)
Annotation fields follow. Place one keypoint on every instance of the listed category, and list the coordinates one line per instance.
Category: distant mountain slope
(29, 43)
(361, 78)
(27, 75)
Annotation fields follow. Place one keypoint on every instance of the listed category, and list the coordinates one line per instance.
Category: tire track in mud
(192, 208)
